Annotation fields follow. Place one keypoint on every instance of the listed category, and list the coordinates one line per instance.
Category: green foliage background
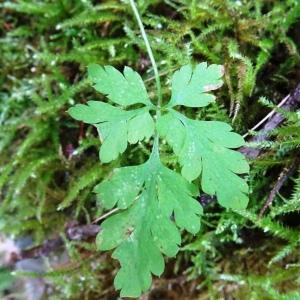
(49, 161)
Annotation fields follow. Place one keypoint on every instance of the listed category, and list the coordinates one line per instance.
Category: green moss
(45, 47)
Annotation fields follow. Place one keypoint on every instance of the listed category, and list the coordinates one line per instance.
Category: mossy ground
(47, 159)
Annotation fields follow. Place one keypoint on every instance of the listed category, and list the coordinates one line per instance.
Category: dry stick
(269, 115)
(284, 175)
(105, 215)
(73, 233)
(289, 103)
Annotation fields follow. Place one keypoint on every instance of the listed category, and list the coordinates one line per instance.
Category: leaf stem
(155, 148)
(150, 53)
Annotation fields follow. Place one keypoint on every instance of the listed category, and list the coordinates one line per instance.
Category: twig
(269, 115)
(290, 104)
(105, 215)
(283, 176)
(73, 233)
(161, 74)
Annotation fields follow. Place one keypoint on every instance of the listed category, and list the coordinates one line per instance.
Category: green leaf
(148, 195)
(116, 127)
(154, 203)
(122, 89)
(203, 147)
(190, 87)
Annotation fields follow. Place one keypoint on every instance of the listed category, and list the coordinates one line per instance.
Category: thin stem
(106, 215)
(269, 115)
(150, 53)
(155, 148)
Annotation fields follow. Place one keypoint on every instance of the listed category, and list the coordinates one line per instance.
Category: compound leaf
(203, 147)
(122, 89)
(190, 87)
(116, 127)
(148, 195)
(154, 202)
